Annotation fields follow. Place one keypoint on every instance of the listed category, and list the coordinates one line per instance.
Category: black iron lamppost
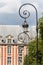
(26, 14)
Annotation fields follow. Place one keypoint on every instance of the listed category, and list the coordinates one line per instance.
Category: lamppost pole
(25, 26)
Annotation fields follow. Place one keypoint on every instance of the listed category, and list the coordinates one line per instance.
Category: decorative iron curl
(26, 13)
(21, 38)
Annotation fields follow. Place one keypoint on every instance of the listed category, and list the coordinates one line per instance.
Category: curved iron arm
(26, 10)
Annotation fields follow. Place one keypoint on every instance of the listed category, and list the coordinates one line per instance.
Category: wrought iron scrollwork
(25, 13)
(23, 37)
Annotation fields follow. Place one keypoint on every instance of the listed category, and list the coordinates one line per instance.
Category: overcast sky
(9, 14)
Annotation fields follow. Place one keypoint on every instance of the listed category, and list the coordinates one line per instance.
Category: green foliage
(41, 27)
(26, 60)
(30, 59)
(32, 52)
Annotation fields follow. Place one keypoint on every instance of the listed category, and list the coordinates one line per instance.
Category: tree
(30, 59)
(41, 35)
(26, 60)
(41, 27)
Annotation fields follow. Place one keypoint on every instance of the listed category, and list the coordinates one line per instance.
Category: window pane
(20, 59)
(9, 40)
(20, 55)
(8, 60)
(19, 50)
(9, 49)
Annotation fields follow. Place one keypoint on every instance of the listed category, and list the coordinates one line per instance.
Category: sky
(9, 11)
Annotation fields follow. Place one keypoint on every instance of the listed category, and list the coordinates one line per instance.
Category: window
(20, 60)
(20, 50)
(8, 60)
(9, 40)
(20, 55)
(9, 49)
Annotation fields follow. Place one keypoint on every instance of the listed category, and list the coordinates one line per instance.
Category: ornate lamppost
(24, 37)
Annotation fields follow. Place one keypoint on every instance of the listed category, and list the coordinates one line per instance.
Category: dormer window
(9, 40)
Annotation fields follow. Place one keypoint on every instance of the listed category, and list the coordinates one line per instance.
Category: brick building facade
(11, 51)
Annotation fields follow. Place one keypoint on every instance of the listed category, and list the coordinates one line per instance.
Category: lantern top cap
(25, 24)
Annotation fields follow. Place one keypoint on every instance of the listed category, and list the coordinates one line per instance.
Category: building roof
(12, 30)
